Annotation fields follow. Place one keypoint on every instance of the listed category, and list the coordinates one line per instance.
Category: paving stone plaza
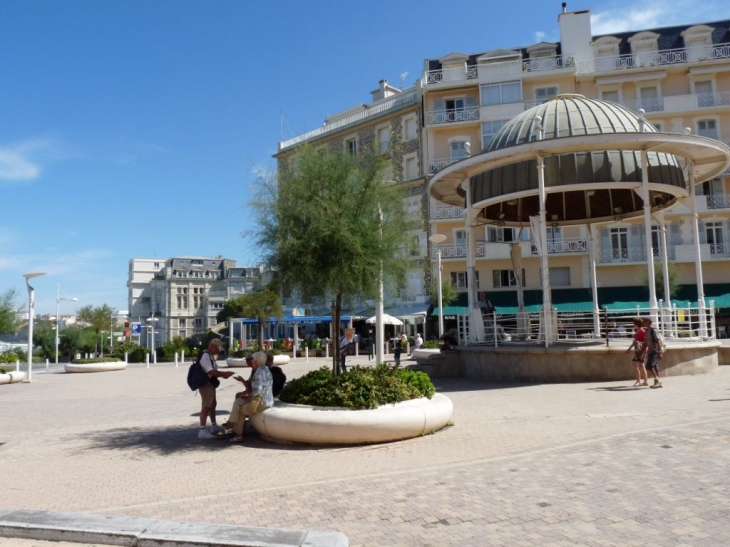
(530, 465)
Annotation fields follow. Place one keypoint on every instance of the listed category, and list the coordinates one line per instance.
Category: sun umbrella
(387, 320)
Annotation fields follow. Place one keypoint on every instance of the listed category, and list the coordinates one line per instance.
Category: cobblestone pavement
(550, 465)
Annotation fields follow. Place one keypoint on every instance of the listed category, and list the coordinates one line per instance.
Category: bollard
(306, 354)
(182, 356)
(175, 359)
(17, 366)
(357, 349)
(126, 357)
(147, 358)
(327, 351)
(46, 365)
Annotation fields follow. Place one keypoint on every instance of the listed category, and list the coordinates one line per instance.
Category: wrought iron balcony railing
(445, 76)
(446, 213)
(435, 117)
(563, 246)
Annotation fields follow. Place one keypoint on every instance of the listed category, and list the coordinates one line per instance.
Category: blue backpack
(197, 377)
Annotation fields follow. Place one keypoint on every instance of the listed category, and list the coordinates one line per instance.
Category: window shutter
(470, 101)
(703, 233)
(439, 105)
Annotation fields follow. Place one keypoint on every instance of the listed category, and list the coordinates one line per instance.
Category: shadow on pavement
(618, 388)
(453, 385)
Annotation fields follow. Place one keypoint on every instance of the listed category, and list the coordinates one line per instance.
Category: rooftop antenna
(403, 77)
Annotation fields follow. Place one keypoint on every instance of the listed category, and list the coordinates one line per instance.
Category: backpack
(197, 377)
(279, 380)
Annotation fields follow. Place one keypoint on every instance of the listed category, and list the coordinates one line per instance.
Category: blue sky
(134, 128)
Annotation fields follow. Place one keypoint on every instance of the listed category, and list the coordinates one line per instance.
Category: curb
(142, 532)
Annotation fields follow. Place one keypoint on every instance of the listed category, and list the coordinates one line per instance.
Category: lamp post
(58, 307)
(31, 313)
(439, 238)
(151, 321)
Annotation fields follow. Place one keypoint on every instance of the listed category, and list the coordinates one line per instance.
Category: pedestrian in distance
(207, 392)
(639, 348)
(654, 351)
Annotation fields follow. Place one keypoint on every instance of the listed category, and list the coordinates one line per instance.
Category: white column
(475, 315)
(593, 243)
(647, 235)
(698, 255)
(547, 305)
(667, 301)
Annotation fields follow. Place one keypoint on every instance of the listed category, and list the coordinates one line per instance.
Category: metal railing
(547, 63)
(719, 250)
(713, 99)
(449, 75)
(658, 58)
(570, 245)
(680, 324)
(446, 213)
(434, 166)
(718, 201)
(632, 254)
(436, 117)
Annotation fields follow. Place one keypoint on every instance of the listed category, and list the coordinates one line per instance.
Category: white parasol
(387, 320)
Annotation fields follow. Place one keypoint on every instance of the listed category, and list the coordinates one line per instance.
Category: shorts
(207, 394)
(652, 361)
(638, 357)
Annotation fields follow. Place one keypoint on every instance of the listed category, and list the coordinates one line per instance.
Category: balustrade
(449, 75)
(436, 117)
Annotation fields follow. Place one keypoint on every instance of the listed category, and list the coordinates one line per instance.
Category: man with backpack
(654, 351)
(207, 392)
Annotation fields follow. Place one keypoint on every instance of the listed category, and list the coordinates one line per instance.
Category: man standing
(654, 351)
(251, 401)
(344, 347)
(207, 392)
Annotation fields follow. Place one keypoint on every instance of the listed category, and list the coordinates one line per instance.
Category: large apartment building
(391, 123)
(678, 76)
(182, 296)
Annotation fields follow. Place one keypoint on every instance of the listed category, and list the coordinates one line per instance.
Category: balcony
(434, 166)
(719, 250)
(548, 63)
(618, 256)
(456, 251)
(717, 201)
(658, 58)
(446, 213)
(438, 117)
(565, 246)
(446, 76)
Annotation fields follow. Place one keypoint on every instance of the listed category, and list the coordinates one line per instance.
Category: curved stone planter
(12, 377)
(96, 367)
(233, 362)
(319, 425)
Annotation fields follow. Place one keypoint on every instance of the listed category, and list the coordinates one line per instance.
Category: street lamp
(58, 306)
(439, 238)
(31, 313)
(151, 321)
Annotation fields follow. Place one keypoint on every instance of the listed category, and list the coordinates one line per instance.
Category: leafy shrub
(430, 344)
(96, 360)
(360, 388)
(138, 355)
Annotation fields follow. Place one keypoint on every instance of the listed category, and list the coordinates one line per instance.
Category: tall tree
(98, 318)
(260, 306)
(330, 224)
(8, 311)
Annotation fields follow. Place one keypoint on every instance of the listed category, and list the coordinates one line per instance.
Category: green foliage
(448, 292)
(331, 224)
(8, 310)
(75, 339)
(431, 344)
(360, 388)
(96, 360)
(673, 276)
(98, 318)
(10, 356)
(260, 306)
(176, 345)
(44, 338)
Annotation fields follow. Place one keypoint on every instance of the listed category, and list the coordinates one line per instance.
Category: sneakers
(204, 434)
(657, 384)
(217, 429)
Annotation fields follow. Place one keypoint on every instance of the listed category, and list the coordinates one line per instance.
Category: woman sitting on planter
(250, 402)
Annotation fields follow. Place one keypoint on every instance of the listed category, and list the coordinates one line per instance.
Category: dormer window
(605, 51)
(698, 42)
(644, 48)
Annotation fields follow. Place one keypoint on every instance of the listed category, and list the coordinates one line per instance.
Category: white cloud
(23, 162)
(539, 36)
(654, 13)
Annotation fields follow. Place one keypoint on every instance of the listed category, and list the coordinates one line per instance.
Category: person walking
(639, 348)
(654, 351)
(417, 341)
(207, 392)
(344, 346)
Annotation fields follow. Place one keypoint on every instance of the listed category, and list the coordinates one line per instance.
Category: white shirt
(207, 362)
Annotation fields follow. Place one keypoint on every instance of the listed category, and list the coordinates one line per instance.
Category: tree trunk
(336, 336)
(261, 335)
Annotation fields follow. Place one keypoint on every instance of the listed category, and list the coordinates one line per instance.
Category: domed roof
(567, 116)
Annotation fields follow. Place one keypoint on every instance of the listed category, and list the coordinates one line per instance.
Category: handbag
(214, 381)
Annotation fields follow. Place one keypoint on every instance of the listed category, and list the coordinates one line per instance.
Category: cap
(216, 342)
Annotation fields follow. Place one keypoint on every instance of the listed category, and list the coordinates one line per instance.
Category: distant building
(185, 294)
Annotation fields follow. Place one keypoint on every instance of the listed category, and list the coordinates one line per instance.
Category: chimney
(384, 91)
(565, 7)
